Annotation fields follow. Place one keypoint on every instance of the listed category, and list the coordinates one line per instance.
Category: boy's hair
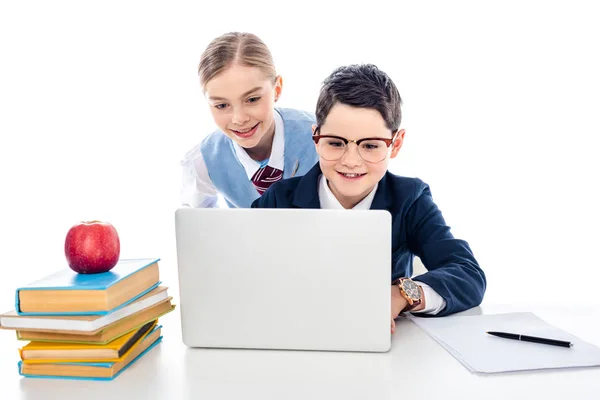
(240, 48)
(364, 86)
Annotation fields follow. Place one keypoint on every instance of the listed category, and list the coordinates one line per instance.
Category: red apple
(92, 247)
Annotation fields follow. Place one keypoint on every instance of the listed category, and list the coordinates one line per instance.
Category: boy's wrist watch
(410, 291)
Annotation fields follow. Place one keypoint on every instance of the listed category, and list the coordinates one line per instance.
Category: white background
(100, 100)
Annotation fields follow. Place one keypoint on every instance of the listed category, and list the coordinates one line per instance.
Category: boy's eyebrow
(343, 137)
(243, 95)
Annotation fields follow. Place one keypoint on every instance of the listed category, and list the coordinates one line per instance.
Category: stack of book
(89, 326)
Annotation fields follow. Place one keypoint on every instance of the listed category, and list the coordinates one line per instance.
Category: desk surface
(416, 368)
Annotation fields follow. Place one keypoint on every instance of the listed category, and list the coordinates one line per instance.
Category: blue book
(68, 293)
(103, 371)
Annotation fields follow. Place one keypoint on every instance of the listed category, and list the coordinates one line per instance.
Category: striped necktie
(265, 177)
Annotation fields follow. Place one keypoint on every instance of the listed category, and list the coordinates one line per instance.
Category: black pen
(533, 339)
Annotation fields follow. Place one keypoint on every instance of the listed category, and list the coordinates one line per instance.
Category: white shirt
(198, 190)
(434, 303)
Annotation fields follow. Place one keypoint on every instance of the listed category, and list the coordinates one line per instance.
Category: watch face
(411, 289)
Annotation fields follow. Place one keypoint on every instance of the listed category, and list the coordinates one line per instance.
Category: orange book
(115, 351)
(104, 335)
(89, 370)
(81, 324)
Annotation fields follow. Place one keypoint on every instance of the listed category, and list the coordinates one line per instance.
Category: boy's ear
(278, 87)
(397, 145)
(314, 128)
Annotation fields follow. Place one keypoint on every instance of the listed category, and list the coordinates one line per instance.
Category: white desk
(415, 368)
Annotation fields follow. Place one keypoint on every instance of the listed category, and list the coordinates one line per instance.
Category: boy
(357, 132)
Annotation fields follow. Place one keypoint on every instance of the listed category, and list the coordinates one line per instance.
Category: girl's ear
(314, 128)
(278, 87)
(397, 145)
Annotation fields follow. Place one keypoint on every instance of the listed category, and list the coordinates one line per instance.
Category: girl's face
(350, 177)
(241, 100)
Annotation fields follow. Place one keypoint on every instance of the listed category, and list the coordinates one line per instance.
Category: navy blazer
(418, 228)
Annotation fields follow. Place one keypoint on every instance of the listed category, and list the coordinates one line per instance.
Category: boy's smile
(351, 178)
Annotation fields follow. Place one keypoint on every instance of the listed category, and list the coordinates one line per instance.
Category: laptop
(288, 279)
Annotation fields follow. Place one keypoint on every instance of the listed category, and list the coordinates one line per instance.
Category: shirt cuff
(434, 303)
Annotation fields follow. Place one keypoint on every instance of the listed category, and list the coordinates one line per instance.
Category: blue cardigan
(418, 228)
(229, 176)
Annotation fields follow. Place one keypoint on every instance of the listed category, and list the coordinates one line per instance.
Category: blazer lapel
(382, 199)
(307, 191)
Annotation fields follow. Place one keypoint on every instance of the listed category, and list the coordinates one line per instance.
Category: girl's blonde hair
(245, 49)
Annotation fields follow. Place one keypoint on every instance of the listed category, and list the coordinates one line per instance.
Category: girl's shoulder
(211, 141)
(191, 155)
(292, 114)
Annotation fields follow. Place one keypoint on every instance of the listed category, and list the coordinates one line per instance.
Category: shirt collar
(329, 201)
(276, 158)
(306, 193)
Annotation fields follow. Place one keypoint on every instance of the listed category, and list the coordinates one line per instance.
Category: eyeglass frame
(388, 142)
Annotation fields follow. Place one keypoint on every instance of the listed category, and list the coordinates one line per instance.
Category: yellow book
(115, 351)
(90, 370)
(67, 291)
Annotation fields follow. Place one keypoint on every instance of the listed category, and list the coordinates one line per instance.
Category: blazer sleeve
(453, 271)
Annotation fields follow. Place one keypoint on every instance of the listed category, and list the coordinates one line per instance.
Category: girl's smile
(246, 133)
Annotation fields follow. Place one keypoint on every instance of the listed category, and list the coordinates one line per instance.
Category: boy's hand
(398, 304)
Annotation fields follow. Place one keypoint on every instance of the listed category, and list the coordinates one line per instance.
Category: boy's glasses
(333, 148)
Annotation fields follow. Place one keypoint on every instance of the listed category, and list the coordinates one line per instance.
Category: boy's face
(241, 100)
(351, 178)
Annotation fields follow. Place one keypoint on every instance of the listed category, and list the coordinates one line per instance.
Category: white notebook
(466, 339)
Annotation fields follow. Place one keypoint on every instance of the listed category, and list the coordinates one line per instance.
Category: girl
(256, 144)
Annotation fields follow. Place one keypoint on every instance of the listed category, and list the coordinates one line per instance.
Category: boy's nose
(351, 158)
